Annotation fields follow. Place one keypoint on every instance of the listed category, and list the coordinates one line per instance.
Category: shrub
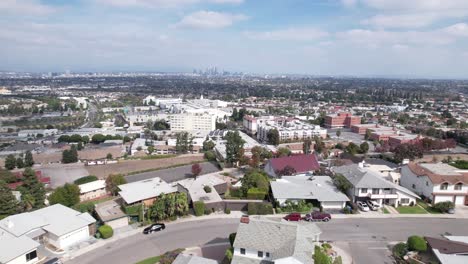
(85, 179)
(228, 254)
(417, 243)
(444, 206)
(259, 209)
(399, 250)
(106, 231)
(207, 211)
(227, 211)
(232, 237)
(338, 260)
(256, 194)
(207, 189)
(199, 208)
(347, 210)
(170, 256)
(84, 207)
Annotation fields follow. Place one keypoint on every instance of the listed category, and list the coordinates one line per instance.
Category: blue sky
(414, 38)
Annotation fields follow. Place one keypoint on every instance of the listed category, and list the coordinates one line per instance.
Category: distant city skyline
(362, 38)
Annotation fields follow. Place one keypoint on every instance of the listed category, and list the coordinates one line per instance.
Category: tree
(79, 146)
(109, 156)
(113, 181)
(364, 147)
(196, 170)
(68, 195)
(208, 145)
(306, 146)
(64, 139)
(33, 186)
(273, 137)
(283, 152)
(407, 151)
(8, 202)
(286, 171)
(70, 155)
(28, 159)
(338, 133)
(10, 162)
(98, 138)
(184, 142)
(168, 206)
(352, 148)
(150, 149)
(210, 156)
(19, 163)
(234, 144)
(367, 136)
(254, 179)
(342, 183)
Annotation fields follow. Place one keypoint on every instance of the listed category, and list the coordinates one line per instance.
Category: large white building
(439, 182)
(290, 130)
(35, 132)
(57, 225)
(202, 121)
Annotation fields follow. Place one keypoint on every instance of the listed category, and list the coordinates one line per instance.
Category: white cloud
(163, 3)
(209, 20)
(460, 29)
(349, 3)
(25, 7)
(401, 21)
(417, 5)
(294, 34)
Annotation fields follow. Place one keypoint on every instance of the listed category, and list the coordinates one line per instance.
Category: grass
(385, 211)
(411, 210)
(428, 208)
(163, 168)
(151, 260)
(150, 157)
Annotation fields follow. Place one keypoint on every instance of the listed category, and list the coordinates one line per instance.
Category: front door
(466, 200)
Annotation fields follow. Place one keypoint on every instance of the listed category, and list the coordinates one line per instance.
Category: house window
(31, 255)
(267, 254)
(427, 183)
(364, 190)
(260, 254)
(458, 186)
(413, 186)
(242, 250)
(444, 186)
(375, 191)
(405, 200)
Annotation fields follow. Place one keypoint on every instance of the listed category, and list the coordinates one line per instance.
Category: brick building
(341, 120)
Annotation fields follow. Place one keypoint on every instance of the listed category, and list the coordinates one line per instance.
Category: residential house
(449, 250)
(145, 191)
(437, 181)
(370, 185)
(92, 190)
(56, 225)
(259, 240)
(189, 259)
(309, 188)
(110, 213)
(300, 163)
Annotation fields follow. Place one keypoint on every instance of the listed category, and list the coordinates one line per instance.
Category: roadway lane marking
(378, 248)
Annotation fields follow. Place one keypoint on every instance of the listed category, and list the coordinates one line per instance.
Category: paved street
(367, 239)
(173, 174)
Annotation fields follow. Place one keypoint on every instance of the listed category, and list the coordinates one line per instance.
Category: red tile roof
(301, 163)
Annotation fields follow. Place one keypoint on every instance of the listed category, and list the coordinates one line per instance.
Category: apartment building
(192, 122)
(289, 130)
(341, 120)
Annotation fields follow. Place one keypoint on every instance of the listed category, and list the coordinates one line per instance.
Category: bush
(259, 209)
(207, 211)
(227, 211)
(170, 256)
(85, 179)
(84, 207)
(106, 231)
(207, 189)
(132, 209)
(256, 194)
(228, 254)
(199, 208)
(399, 250)
(417, 243)
(338, 260)
(444, 206)
(232, 237)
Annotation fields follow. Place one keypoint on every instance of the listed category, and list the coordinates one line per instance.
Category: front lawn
(151, 260)
(411, 210)
(385, 211)
(428, 207)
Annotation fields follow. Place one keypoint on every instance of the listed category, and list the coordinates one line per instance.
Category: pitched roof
(307, 187)
(13, 247)
(301, 163)
(188, 259)
(280, 239)
(439, 172)
(145, 189)
(446, 246)
(92, 186)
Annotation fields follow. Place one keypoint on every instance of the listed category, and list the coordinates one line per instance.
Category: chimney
(245, 219)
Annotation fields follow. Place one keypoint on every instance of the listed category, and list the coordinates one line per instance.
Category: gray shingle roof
(187, 259)
(307, 187)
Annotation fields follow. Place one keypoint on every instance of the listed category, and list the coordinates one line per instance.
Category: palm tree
(28, 201)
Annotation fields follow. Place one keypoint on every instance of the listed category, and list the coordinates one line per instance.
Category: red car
(317, 216)
(293, 217)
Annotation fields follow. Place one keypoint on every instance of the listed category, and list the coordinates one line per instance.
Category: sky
(407, 38)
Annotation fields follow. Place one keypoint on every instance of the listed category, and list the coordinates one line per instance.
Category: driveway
(173, 174)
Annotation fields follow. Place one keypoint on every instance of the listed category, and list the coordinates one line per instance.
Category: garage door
(443, 198)
(460, 200)
(332, 205)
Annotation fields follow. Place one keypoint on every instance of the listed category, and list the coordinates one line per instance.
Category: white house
(308, 187)
(437, 181)
(92, 190)
(56, 225)
(265, 241)
(369, 185)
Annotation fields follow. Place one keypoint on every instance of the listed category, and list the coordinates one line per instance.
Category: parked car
(451, 211)
(153, 228)
(373, 205)
(53, 261)
(363, 206)
(293, 217)
(317, 216)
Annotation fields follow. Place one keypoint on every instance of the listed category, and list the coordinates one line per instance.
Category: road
(366, 240)
(90, 115)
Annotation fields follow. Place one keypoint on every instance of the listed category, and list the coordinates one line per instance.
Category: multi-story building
(437, 181)
(251, 123)
(341, 120)
(289, 130)
(192, 122)
(362, 128)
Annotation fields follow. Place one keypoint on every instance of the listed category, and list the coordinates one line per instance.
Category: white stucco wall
(253, 254)
(22, 260)
(422, 184)
(69, 239)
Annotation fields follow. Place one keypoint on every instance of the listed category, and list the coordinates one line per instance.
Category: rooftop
(301, 163)
(439, 172)
(188, 259)
(92, 186)
(145, 189)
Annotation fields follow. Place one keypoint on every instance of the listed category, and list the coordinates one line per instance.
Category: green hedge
(417, 243)
(444, 206)
(256, 194)
(259, 208)
(199, 208)
(106, 231)
(85, 179)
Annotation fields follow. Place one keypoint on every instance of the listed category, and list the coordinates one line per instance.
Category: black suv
(153, 228)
